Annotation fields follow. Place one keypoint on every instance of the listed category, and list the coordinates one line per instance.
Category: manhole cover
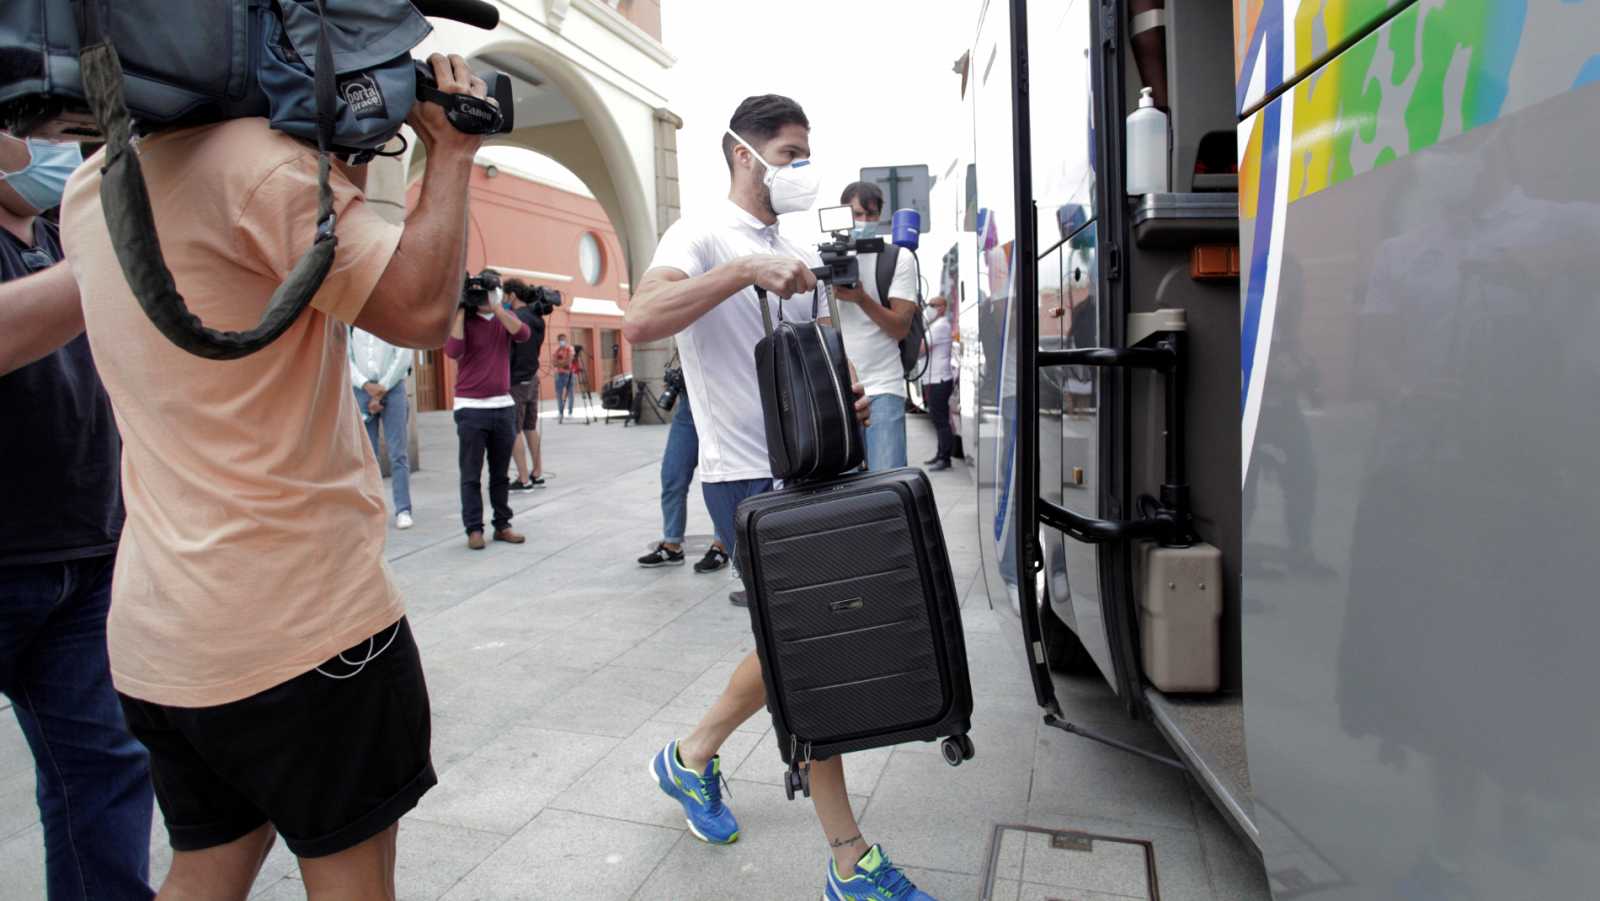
(1026, 862)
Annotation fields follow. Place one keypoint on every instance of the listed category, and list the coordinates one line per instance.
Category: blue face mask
(43, 180)
(865, 230)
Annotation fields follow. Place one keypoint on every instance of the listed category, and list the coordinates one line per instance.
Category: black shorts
(526, 403)
(329, 762)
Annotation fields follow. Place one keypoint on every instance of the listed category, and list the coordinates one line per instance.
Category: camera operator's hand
(428, 119)
(783, 276)
(857, 294)
(863, 403)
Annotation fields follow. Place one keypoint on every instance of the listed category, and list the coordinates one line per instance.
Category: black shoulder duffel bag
(103, 70)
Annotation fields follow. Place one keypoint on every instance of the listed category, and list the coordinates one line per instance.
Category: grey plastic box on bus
(1180, 606)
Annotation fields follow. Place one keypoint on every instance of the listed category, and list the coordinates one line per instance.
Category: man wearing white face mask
(486, 423)
(701, 288)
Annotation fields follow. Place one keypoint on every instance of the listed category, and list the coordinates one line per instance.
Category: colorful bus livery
(1378, 430)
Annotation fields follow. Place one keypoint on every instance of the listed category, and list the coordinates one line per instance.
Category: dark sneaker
(939, 466)
(930, 461)
(521, 486)
(536, 483)
(715, 559)
(662, 556)
(738, 599)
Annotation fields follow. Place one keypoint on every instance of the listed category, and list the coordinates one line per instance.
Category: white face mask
(793, 187)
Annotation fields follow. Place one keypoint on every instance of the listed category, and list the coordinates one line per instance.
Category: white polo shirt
(876, 355)
(938, 338)
(718, 350)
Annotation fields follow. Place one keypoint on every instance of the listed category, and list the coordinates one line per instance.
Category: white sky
(874, 77)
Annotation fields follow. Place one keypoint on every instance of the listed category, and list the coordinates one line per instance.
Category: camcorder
(469, 114)
(841, 264)
(541, 300)
(476, 289)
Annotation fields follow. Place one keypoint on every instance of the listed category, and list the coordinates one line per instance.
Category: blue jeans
(564, 392)
(93, 778)
(393, 419)
(722, 502)
(677, 471)
(886, 435)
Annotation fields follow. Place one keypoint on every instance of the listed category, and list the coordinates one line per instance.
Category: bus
(1296, 453)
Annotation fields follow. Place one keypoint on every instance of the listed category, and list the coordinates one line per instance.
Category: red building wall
(524, 224)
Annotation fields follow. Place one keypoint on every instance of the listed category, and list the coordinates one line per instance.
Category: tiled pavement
(556, 668)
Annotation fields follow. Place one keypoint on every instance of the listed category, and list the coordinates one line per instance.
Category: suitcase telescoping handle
(766, 307)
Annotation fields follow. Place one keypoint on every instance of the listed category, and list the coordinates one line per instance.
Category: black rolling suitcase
(856, 618)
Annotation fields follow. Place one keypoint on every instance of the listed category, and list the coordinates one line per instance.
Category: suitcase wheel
(797, 783)
(956, 749)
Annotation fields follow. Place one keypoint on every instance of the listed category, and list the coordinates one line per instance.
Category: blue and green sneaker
(699, 793)
(875, 879)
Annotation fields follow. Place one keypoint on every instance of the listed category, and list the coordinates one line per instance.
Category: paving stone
(432, 857)
(507, 782)
(1075, 776)
(780, 854)
(561, 854)
(620, 785)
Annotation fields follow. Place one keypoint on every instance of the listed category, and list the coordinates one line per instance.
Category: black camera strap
(131, 222)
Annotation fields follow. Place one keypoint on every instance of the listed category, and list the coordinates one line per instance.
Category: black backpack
(912, 360)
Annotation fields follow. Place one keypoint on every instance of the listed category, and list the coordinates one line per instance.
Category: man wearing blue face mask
(873, 327)
(93, 778)
(701, 288)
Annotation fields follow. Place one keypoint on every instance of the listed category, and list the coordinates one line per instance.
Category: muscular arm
(669, 301)
(38, 315)
(417, 292)
(414, 298)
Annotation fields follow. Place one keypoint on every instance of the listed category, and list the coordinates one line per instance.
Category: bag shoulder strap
(887, 262)
(131, 222)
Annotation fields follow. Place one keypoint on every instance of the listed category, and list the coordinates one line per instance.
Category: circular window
(591, 259)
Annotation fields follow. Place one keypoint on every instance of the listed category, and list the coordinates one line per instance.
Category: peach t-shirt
(253, 549)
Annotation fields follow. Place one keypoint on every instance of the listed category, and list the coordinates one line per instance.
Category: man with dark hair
(486, 423)
(873, 327)
(701, 288)
(525, 388)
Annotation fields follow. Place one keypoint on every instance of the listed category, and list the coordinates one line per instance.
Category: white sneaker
(403, 521)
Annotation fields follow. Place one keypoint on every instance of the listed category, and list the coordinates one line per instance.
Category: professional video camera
(477, 288)
(541, 300)
(841, 265)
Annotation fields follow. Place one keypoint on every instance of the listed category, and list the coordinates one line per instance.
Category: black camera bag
(806, 399)
(208, 61)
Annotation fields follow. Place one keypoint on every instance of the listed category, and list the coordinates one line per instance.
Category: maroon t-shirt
(484, 356)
